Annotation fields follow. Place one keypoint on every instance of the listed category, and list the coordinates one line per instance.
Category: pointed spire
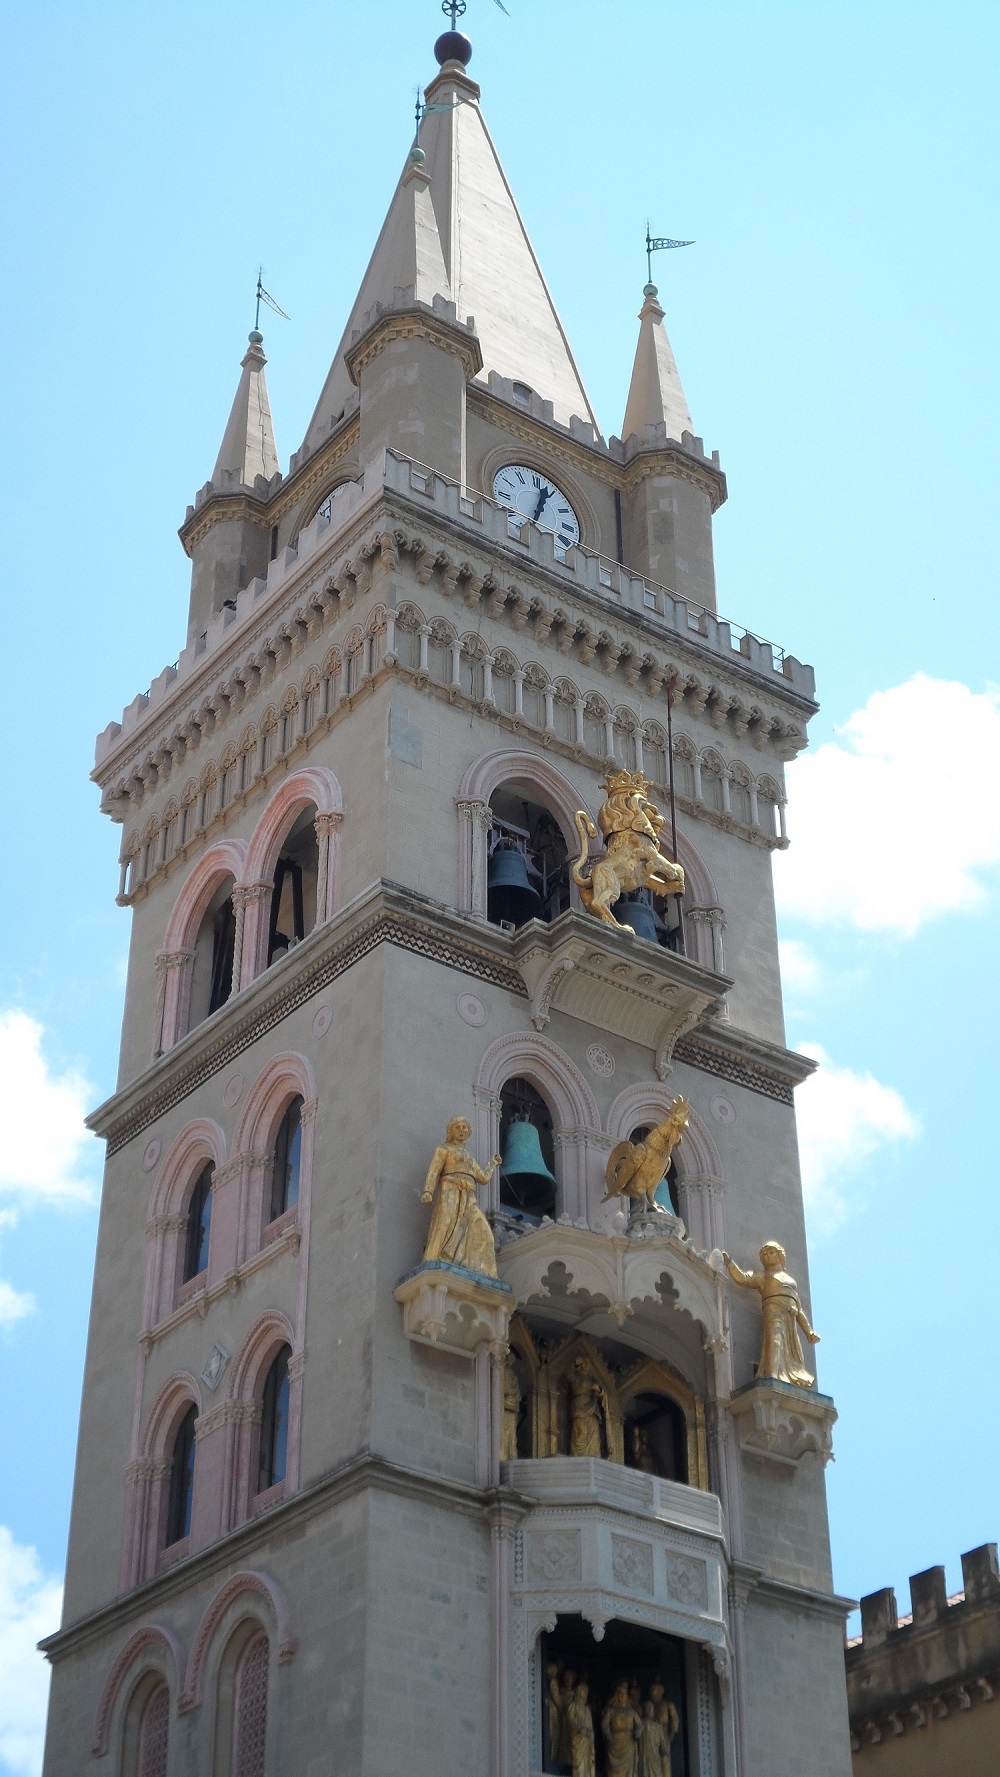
(655, 396)
(248, 448)
(453, 229)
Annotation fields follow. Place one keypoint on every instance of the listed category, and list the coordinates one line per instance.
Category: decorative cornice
(416, 323)
(680, 465)
(387, 913)
(219, 507)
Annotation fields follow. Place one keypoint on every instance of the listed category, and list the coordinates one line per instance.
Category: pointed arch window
(199, 1224)
(181, 1480)
(287, 1161)
(154, 1728)
(250, 1723)
(273, 1459)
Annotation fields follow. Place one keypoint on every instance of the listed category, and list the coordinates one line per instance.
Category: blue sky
(835, 327)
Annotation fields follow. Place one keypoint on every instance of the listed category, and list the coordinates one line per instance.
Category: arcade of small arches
(214, 1217)
(228, 1673)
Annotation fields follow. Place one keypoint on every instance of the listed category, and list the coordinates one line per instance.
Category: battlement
(487, 521)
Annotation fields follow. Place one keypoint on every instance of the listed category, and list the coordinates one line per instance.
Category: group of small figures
(637, 1733)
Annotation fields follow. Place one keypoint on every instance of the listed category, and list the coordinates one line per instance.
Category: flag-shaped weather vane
(655, 244)
(264, 297)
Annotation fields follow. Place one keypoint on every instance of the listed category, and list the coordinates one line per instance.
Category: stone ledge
(455, 1310)
(782, 1423)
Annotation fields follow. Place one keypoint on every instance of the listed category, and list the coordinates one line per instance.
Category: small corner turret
(672, 488)
(227, 531)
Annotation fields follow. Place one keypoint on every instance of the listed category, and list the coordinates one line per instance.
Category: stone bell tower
(340, 1508)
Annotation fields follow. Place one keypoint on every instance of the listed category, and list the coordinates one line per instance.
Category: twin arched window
(287, 1161)
(199, 1224)
(181, 1493)
(273, 1457)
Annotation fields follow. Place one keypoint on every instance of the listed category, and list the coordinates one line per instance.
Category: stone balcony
(605, 1541)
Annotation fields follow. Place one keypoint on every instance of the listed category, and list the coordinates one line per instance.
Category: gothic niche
(579, 1397)
(293, 900)
(527, 1171)
(212, 973)
(528, 867)
(613, 1708)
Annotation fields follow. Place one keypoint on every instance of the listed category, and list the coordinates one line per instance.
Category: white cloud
(46, 1152)
(14, 1304)
(801, 970)
(895, 823)
(30, 1606)
(843, 1119)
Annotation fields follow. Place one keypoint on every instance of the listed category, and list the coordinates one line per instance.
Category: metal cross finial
(454, 9)
(262, 296)
(653, 245)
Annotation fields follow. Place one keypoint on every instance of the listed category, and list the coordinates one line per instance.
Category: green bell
(525, 1181)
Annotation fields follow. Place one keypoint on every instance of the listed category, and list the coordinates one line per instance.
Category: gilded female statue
(653, 1743)
(552, 1672)
(511, 1413)
(781, 1348)
(459, 1231)
(588, 1402)
(669, 1720)
(621, 1727)
(580, 1725)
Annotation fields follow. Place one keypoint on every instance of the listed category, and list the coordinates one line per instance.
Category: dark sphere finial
(453, 46)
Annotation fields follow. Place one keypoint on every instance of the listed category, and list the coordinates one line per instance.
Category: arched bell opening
(527, 1144)
(293, 899)
(528, 861)
(214, 949)
(625, 1695)
(667, 1193)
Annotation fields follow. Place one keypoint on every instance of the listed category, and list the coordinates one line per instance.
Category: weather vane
(453, 9)
(654, 242)
(262, 296)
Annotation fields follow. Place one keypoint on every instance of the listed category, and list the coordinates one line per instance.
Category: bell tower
(447, 841)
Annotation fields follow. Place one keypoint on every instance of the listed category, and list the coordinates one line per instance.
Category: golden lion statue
(637, 1169)
(631, 826)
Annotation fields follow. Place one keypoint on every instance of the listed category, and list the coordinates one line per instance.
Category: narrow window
(274, 1424)
(199, 1223)
(181, 1480)
(250, 1725)
(153, 1731)
(287, 1161)
(223, 951)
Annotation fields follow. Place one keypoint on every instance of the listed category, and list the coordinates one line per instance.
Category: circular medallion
(471, 1010)
(233, 1091)
(600, 1061)
(723, 1111)
(150, 1155)
(322, 1020)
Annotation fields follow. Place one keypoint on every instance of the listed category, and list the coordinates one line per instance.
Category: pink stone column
(327, 879)
(257, 910)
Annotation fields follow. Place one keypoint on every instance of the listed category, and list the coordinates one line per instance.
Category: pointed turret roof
(655, 394)
(453, 229)
(248, 447)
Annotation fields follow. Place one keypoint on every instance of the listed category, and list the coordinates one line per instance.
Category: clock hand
(546, 494)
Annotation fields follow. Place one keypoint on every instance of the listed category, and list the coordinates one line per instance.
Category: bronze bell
(510, 893)
(641, 916)
(523, 1173)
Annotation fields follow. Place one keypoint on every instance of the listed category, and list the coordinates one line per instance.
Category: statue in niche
(621, 1726)
(781, 1348)
(511, 1413)
(642, 1450)
(630, 825)
(654, 1746)
(580, 1728)
(459, 1232)
(669, 1720)
(589, 1411)
(552, 1672)
(636, 1169)
(566, 1694)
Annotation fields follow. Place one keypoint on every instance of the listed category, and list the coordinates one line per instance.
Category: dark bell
(510, 894)
(453, 46)
(641, 917)
(528, 1181)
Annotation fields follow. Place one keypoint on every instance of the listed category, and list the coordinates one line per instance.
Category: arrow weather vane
(654, 243)
(262, 296)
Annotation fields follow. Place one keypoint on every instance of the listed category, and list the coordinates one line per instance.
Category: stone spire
(248, 448)
(655, 396)
(453, 230)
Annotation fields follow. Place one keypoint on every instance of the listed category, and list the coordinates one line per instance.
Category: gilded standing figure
(580, 1724)
(621, 1726)
(588, 1403)
(459, 1232)
(781, 1348)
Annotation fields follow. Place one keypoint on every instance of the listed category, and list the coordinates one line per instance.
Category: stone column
(503, 1521)
(256, 911)
(327, 876)
(173, 998)
(475, 823)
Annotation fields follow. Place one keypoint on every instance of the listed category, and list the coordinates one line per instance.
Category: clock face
(528, 494)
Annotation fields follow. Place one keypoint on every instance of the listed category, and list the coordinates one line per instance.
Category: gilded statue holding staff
(459, 1232)
(781, 1356)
